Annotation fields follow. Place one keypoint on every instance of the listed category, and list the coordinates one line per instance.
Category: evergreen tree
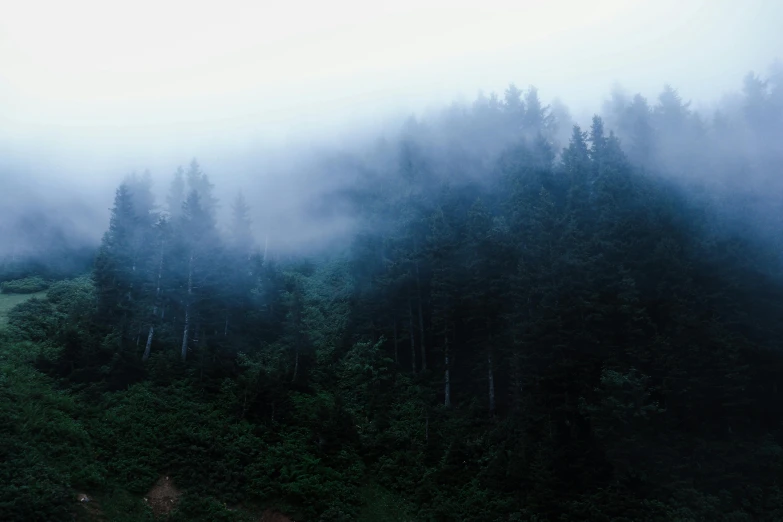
(198, 249)
(115, 269)
(176, 196)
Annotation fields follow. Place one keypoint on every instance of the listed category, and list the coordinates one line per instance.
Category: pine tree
(240, 230)
(442, 249)
(199, 248)
(176, 196)
(157, 272)
(235, 282)
(197, 181)
(485, 289)
(115, 267)
(636, 128)
(537, 118)
(513, 110)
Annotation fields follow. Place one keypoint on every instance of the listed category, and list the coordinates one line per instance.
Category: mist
(291, 109)
(426, 261)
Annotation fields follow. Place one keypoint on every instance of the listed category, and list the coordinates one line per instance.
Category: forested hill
(519, 330)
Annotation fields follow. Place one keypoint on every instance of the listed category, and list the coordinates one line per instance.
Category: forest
(531, 321)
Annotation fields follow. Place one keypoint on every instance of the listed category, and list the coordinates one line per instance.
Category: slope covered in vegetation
(519, 331)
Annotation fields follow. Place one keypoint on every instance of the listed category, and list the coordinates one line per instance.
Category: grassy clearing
(8, 301)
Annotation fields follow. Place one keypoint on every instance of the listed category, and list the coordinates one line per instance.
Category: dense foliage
(28, 285)
(519, 331)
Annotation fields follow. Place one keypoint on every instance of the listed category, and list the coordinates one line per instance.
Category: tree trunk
(447, 374)
(187, 310)
(421, 322)
(410, 327)
(516, 379)
(225, 329)
(157, 287)
(296, 362)
(123, 330)
(491, 378)
(396, 352)
(149, 344)
(490, 370)
(185, 333)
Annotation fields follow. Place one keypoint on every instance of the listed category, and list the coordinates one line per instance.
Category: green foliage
(563, 340)
(46, 450)
(380, 505)
(200, 508)
(9, 301)
(28, 285)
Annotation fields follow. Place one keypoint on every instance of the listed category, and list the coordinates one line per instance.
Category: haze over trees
(529, 320)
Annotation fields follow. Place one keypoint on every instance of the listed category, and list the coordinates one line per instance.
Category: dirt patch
(274, 516)
(163, 497)
(92, 509)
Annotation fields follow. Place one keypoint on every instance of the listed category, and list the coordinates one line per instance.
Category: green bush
(28, 285)
(45, 451)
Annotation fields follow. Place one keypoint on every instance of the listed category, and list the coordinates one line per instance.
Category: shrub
(28, 285)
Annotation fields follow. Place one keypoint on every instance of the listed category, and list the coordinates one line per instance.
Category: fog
(263, 94)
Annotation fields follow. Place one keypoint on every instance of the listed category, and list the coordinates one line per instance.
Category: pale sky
(150, 67)
(92, 88)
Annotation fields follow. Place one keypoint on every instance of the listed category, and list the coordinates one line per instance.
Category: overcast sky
(92, 88)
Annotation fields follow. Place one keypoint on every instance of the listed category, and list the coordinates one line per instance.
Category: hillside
(517, 329)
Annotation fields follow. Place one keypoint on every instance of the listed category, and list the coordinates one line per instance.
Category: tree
(198, 248)
(198, 182)
(176, 196)
(240, 231)
(513, 109)
(156, 274)
(597, 143)
(485, 288)
(537, 117)
(442, 249)
(115, 268)
(636, 128)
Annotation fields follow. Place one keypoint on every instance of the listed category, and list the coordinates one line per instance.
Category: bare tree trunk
(421, 322)
(396, 351)
(187, 310)
(516, 379)
(491, 377)
(447, 374)
(185, 333)
(149, 344)
(123, 330)
(157, 287)
(296, 363)
(490, 370)
(410, 327)
(298, 335)
(225, 329)
(133, 273)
